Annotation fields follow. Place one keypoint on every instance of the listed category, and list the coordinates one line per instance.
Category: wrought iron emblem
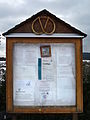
(44, 25)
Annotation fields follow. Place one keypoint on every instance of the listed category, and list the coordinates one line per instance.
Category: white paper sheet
(68, 97)
(24, 92)
(46, 91)
(24, 74)
(66, 75)
(47, 69)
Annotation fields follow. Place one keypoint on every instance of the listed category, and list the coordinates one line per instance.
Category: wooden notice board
(44, 66)
(44, 75)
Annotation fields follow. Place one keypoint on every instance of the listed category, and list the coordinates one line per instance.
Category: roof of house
(61, 26)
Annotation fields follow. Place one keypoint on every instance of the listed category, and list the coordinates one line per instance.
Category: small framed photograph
(45, 51)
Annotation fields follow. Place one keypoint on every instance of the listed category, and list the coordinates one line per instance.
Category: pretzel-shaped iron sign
(43, 28)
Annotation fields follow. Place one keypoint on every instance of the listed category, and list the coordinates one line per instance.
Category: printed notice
(46, 93)
(24, 92)
(47, 69)
(24, 74)
(66, 91)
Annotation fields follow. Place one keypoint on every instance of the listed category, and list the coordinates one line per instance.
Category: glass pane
(44, 81)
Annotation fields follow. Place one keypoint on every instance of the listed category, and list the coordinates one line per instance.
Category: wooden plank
(9, 80)
(75, 116)
(43, 40)
(44, 110)
(14, 117)
(81, 63)
(79, 77)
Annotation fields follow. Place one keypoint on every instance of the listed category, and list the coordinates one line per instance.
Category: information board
(44, 80)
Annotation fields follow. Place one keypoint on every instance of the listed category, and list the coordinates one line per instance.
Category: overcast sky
(74, 12)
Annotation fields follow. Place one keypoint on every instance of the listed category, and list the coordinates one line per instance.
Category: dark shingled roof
(44, 12)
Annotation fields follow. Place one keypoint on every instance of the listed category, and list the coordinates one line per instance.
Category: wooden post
(13, 117)
(75, 116)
